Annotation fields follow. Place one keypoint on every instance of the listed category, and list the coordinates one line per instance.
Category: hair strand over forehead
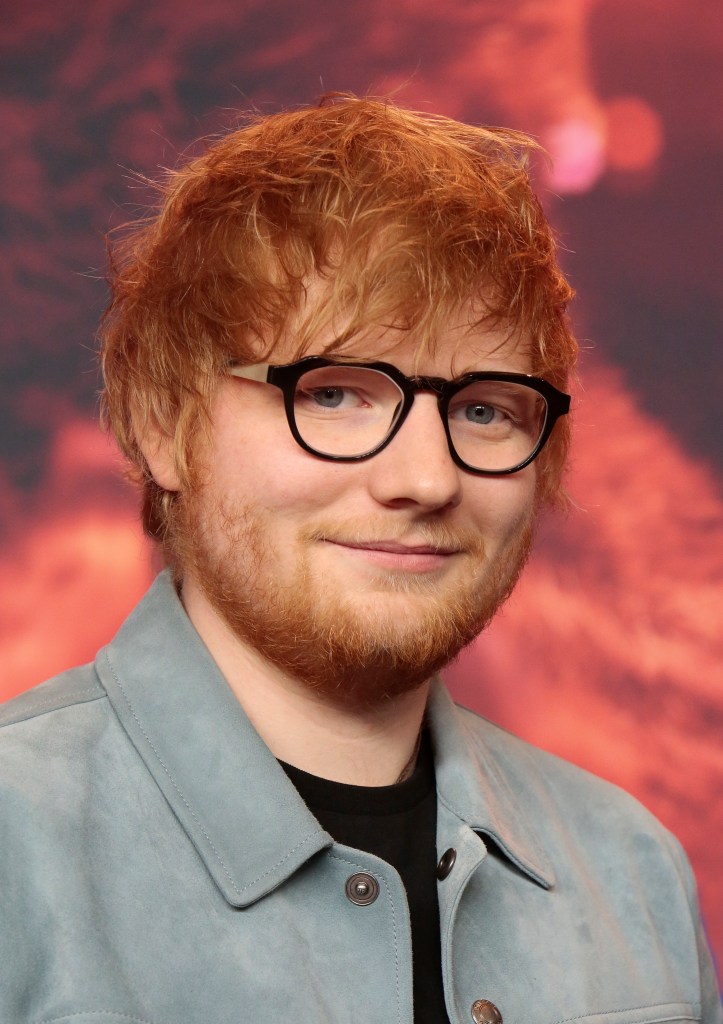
(407, 218)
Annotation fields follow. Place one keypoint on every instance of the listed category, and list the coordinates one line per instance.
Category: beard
(354, 649)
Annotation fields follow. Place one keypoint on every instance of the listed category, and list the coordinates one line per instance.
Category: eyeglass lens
(350, 410)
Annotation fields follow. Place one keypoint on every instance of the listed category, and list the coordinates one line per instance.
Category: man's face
(358, 580)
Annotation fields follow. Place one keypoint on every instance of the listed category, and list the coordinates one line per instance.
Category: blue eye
(329, 398)
(481, 414)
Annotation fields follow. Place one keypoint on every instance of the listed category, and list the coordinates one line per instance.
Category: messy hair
(406, 217)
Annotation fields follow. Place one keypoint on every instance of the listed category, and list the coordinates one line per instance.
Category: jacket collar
(484, 776)
(244, 816)
(224, 785)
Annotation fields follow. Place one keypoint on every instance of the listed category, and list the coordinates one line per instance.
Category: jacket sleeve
(711, 1007)
(710, 995)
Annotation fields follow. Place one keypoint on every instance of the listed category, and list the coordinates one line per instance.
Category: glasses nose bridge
(438, 385)
(411, 386)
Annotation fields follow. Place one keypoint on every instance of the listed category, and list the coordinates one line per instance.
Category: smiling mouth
(396, 548)
(394, 556)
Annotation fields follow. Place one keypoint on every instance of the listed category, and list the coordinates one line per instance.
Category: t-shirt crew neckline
(344, 798)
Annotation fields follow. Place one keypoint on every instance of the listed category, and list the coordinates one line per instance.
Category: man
(336, 359)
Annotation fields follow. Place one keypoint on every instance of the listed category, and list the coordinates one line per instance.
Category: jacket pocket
(657, 1014)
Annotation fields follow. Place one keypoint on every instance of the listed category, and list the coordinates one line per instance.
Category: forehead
(465, 340)
(453, 352)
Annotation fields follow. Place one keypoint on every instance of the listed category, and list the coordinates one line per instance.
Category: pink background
(611, 652)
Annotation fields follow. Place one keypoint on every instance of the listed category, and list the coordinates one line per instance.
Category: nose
(416, 467)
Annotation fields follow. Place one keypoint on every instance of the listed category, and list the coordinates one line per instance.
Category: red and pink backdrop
(611, 652)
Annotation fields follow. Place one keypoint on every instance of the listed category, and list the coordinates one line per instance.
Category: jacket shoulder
(76, 686)
(54, 739)
(542, 780)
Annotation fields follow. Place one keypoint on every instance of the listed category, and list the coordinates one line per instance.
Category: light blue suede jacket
(158, 867)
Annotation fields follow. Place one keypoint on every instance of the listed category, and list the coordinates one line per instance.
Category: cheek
(502, 505)
(277, 477)
(246, 463)
(304, 484)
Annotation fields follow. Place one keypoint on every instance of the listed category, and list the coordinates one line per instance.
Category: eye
(495, 408)
(331, 396)
(481, 414)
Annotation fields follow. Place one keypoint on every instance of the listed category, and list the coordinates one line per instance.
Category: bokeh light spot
(577, 149)
(635, 134)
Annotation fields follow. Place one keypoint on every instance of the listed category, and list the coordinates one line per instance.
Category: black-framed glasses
(496, 423)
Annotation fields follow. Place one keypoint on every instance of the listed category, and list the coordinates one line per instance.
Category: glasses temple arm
(258, 371)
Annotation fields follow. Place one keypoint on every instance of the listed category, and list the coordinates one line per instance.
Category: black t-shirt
(398, 824)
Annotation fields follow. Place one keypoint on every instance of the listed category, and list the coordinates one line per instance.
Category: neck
(369, 747)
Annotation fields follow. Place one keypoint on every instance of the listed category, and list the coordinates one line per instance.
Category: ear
(158, 451)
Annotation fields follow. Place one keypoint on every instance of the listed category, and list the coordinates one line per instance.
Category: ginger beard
(354, 649)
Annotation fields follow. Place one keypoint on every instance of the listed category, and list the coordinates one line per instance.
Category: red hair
(409, 217)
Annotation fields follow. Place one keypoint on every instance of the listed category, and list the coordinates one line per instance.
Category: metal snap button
(485, 1012)
(446, 863)
(362, 888)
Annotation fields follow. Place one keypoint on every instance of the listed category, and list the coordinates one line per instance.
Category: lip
(397, 548)
(391, 554)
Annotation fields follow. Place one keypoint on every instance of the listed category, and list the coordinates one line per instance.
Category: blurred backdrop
(611, 652)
